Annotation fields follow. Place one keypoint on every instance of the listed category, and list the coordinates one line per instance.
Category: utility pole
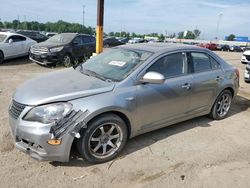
(83, 15)
(99, 27)
(218, 25)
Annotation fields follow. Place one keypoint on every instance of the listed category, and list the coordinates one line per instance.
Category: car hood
(48, 44)
(61, 85)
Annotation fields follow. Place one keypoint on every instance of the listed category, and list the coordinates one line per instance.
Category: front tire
(104, 139)
(222, 105)
(67, 60)
(1, 57)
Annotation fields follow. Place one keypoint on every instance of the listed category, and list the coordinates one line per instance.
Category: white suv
(246, 57)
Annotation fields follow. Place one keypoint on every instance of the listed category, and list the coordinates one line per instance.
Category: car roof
(160, 47)
(75, 34)
(10, 34)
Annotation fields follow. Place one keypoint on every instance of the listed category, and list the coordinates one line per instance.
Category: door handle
(186, 86)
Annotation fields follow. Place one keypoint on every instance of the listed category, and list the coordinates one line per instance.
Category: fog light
(54, 142)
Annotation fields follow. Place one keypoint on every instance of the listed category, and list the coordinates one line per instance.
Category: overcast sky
(140, 16)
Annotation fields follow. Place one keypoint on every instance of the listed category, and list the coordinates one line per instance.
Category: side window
(171, 65)
(201, 62)
(214, 64)
(92, 39)
(16, 38)
(86, 39)
(77, 41)
(19, 39)
(11, 37)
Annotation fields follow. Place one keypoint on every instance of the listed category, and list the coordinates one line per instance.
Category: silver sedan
(121, 93)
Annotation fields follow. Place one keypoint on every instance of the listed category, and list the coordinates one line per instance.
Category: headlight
(57, 49)
(48, 113)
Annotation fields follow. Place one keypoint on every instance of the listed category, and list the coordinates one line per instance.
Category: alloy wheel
(66, 61)
(105, 140)
(223, 105)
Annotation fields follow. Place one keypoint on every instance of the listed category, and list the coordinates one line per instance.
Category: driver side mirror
(153, 78)
(10, 41)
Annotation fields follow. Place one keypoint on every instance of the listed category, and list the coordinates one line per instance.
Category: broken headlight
(48, 113)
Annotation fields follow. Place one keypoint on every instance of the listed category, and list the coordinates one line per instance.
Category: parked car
(63, 48)
(34, 35)
(247, 73)
(136, 40)
(111, 42)
(50, 34)
(245, 57)
(124, 40)
(225, 48)
(14, 45)
(236, 49)
(121, 93)
(245, 48)
(210, 46)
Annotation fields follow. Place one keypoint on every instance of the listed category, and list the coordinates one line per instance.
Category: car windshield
(114, 64)
(61, 38)
(2, 37)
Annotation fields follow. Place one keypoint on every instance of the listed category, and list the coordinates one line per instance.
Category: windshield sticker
(118, 63)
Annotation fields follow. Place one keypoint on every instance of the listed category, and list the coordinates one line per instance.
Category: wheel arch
(230, 88)
(1, 51)
(120, 114)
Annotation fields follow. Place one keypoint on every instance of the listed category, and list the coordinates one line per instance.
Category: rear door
(207, 75)
(161, 103)
(88, 45)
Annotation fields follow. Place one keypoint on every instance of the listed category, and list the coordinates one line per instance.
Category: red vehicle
(210, 46)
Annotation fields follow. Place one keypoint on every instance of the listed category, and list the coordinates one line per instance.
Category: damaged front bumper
(32, 137)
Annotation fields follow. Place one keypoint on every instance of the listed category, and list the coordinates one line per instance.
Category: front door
(158, 104)
(78, 47)
(13, 48)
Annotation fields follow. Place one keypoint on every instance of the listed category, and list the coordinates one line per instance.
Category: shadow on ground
(16, 61)
(240, 104)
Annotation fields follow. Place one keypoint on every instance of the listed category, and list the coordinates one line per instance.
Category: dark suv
(34, 35)
(63, 48)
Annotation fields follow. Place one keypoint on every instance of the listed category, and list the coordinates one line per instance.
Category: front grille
(39, 50)
(248, 57)
(16, 109)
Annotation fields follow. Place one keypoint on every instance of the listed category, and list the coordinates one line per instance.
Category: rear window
(2, 37)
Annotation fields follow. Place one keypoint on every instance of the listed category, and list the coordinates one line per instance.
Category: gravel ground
(195, 153)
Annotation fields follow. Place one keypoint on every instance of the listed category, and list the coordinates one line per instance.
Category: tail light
(237, 72)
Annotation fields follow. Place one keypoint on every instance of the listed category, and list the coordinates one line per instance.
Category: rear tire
(221, 106)
(104, 138)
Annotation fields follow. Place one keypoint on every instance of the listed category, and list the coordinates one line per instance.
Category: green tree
(161, 38)
(190, 35)
(111, 34)
(231, 37)
(181, 35)
(197, 33)
(1, 25)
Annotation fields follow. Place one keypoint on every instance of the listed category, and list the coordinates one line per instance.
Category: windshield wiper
(93, 73)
